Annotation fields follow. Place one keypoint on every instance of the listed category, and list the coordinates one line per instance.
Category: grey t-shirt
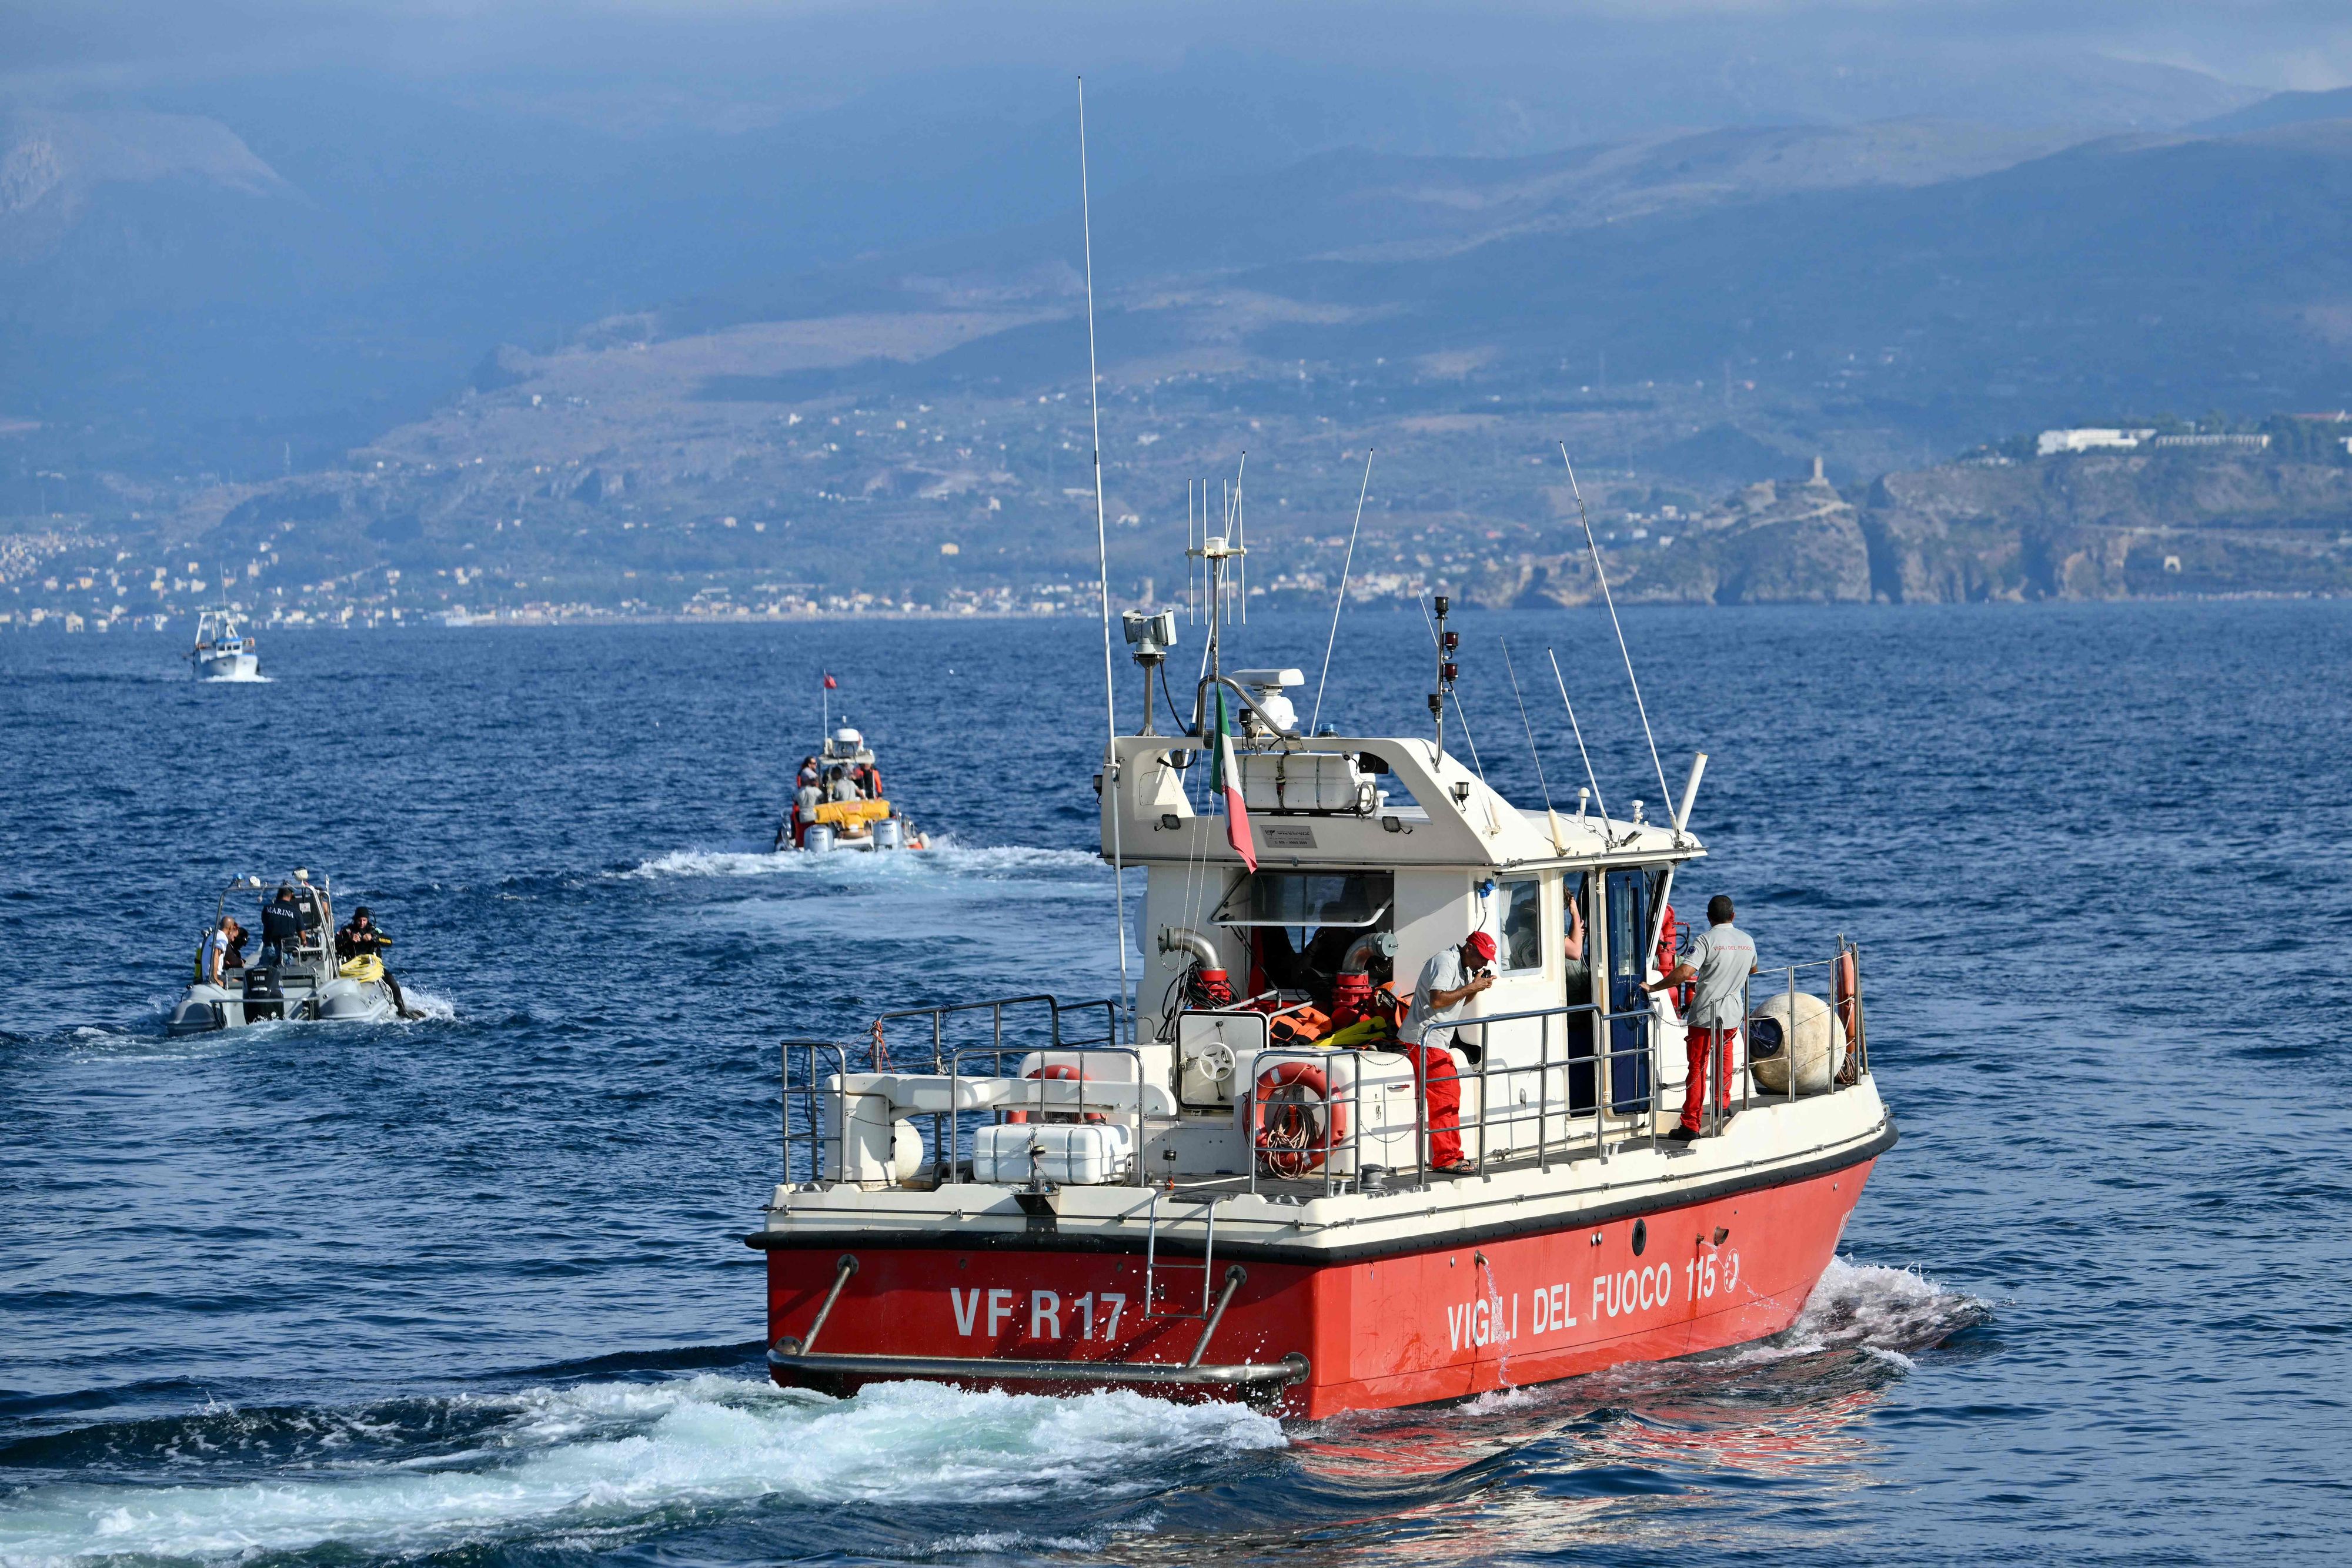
(1723, 956)
(1442, 973)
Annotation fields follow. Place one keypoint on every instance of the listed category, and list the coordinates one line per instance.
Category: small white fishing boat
(296, 977)
(223, 650)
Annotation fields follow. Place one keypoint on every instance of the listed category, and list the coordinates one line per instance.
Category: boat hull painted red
(1405, 1328)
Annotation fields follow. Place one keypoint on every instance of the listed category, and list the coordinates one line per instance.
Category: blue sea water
(469, 1291)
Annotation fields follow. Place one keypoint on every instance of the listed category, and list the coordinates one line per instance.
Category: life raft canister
(1291, 1138)
(1061, 1071)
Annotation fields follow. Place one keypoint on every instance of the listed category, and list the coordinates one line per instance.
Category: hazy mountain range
(430, 312)
(324, 254)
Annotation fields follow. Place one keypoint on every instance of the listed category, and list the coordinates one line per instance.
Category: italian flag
(1226, 775)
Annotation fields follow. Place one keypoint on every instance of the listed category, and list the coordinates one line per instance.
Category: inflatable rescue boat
(307, 983)
(868, 822)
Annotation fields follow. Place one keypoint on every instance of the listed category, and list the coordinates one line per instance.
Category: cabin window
(1317, 898)
(1301, 926)
(1522, 925)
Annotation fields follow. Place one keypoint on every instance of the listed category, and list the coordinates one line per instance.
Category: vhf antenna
(1665, 795)
(1102, 554)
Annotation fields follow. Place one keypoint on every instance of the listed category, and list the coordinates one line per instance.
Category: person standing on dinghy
(361, 937)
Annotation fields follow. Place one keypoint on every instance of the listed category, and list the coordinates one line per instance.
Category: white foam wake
(431, 1006)
(942, 859)
(1887, 1312)
(603, 1455)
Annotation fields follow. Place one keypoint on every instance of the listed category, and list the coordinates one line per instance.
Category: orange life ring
(1059, 1071)
(1290, 1138)
(1849, 990)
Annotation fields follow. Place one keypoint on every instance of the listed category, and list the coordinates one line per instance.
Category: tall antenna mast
(1665, 796)
(1102, 557)
(1240, 538)
(1342, 601)
(1592, 778)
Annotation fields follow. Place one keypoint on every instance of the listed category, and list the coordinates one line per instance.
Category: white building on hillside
(2217, 442)
(2054, 442)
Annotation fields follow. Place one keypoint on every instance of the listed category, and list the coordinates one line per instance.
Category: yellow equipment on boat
(366, 966)
(847, 814)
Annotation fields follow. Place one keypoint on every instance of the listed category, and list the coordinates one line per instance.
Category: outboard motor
(890, 834)
(265, 998)
(818, 838)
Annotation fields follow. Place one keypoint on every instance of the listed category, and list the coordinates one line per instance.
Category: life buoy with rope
(1292, 1131)
(1060, 1071)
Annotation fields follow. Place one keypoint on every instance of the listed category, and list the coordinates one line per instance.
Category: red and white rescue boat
(1221, 1197)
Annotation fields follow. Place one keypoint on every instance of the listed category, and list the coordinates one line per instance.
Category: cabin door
(1629, 1038)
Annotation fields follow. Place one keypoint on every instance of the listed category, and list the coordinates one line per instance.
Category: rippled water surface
(469, 1291)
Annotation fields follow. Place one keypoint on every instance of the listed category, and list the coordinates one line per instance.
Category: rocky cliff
(2104, 526)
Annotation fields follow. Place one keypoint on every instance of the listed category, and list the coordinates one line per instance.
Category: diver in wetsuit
(361, 937)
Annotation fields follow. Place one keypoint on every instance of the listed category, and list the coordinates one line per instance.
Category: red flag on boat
(830, 684)
(1229, 779)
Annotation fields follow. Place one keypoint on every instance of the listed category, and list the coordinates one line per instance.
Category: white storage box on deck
(1079, 1153)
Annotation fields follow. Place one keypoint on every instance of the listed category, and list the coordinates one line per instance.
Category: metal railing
(1041, 1108)
(946, 1132)
(1634, 1114)
(1630, 1114)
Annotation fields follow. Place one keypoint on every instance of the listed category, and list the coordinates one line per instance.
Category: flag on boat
(1226, 775)
(830, 684)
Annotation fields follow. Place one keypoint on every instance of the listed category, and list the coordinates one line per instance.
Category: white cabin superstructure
(223, 651)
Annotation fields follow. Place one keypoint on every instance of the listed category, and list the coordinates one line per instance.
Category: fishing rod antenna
(1102, 557)
(1665, 795)
(1363, 490)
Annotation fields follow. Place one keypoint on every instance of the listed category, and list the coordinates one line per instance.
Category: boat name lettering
(1480, 1321)
(1094, 1315)
(1635, 1291)
(1555, 1308)
(1700, 1274)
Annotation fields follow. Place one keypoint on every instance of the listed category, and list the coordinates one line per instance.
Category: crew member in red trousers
(1448, 980)
(1719, 962)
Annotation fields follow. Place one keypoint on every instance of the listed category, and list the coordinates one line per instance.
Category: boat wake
(430, 1007)
(944, 858)
(598, 1463)
(1893, 1314)
(255, 679)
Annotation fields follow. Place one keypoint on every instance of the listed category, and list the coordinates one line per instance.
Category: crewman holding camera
(1451, 978)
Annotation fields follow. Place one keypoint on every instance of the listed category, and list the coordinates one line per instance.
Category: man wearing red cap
(1448, 980)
